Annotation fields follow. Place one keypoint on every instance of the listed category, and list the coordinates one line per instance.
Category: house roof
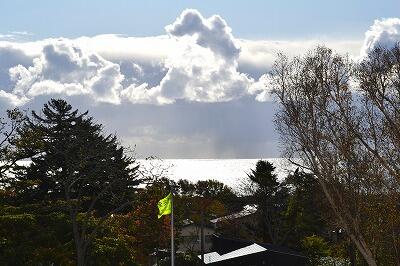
(188, 222)
(231, 244)
(238, 250)
(247, 210)
(211, 257)
(215, 257)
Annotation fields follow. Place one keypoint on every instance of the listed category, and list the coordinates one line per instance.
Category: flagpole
(172, 229)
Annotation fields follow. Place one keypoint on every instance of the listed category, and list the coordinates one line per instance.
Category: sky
(176, 79)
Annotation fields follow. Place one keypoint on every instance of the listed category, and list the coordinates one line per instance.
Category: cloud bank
(198, 60)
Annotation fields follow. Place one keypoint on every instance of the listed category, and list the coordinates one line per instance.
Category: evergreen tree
(74, 161)
(271, 199)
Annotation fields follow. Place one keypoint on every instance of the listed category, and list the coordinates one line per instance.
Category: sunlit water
(231, 172)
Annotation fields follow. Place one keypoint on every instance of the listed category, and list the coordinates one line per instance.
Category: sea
(231, 172)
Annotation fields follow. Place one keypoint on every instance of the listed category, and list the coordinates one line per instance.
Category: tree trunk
(352, 254)
(358, 239)
(80, 257)
(364, 250)
(79, 245)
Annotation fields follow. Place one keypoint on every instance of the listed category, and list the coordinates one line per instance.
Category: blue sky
(262, 19)
(186, 79)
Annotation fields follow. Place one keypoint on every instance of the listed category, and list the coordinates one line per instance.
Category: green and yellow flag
(165, 206)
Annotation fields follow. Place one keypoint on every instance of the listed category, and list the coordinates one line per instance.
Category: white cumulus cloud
(203, 69)
(384, 32)
(197, 60)
(63, 68)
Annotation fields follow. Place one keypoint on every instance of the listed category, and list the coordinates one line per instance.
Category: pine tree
(74, 161)
(271, 199)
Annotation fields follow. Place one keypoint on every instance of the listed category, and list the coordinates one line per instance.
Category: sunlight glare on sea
(231, 172)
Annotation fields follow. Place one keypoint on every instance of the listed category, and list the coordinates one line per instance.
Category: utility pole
(172, 228)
